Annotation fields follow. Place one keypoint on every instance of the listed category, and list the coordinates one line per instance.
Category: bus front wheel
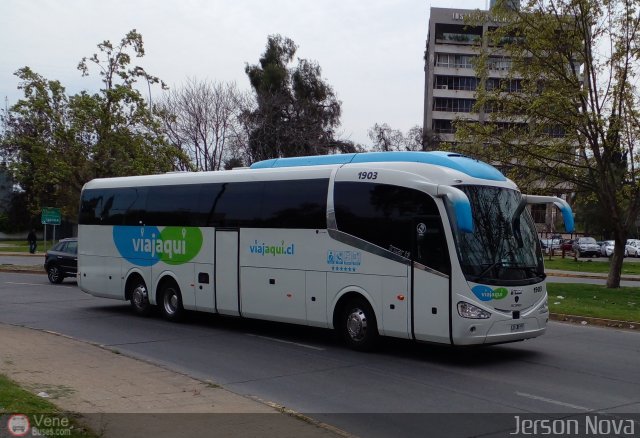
(358, 325)
(171, 301)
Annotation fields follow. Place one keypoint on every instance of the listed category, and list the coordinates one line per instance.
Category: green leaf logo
(500, 293)
(178, 245)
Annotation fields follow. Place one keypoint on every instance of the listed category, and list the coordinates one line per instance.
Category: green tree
(55, 143)
(567, 112)
(296, 110)
(126, 138)
(40, 145)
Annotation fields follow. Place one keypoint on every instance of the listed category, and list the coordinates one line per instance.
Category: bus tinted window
(237, 205)
(174, 206)
(403, 221)
(269, 204)
(295, 204)
(108, 206)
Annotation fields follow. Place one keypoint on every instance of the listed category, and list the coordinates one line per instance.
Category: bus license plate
(516, 327)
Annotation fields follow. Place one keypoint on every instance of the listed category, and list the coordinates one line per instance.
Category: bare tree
(203, 119)
(385, 138)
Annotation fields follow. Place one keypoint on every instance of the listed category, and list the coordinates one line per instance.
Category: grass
(16, 400)
(595, 301)
(23, 246)
(16, 245)
(587, 265)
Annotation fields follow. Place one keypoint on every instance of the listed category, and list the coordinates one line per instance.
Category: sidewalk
(99, 383)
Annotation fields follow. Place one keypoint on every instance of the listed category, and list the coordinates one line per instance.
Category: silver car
(586, 247)
(633, 247)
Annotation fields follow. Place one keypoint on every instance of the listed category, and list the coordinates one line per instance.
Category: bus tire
(170, 301)
(358, 325)
(139, 297)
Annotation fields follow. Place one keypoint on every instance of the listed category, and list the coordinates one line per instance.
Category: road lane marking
(552, 401)
(287, 342)
(25, 284)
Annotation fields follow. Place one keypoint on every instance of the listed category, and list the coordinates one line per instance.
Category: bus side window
(173, 206)
(237, 204)
(388, 215)
(295, 204)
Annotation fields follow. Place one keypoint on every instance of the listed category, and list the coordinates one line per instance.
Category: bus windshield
(504, 248)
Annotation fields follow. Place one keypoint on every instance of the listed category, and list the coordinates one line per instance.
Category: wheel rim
(54, 273)
(171, 301)
(357, 324)
(140, 296)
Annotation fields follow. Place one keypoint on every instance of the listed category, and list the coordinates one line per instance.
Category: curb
(588, 275)
(599, 322)
(12, 269)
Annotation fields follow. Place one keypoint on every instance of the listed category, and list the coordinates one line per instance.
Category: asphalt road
(571, 370)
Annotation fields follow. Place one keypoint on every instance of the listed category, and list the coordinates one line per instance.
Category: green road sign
(50, 216)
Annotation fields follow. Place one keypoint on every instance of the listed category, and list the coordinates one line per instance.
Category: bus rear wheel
(171, 301)
(358, 325)
(140, 297)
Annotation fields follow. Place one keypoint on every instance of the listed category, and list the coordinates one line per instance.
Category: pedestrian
(33, 241)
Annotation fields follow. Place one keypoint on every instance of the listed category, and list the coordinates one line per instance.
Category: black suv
(62, 260)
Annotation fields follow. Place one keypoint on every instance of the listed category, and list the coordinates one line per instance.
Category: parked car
(550, 243)
(61, 261)
(586, 247)
(606, 250)
(567, 245)
(633, 247)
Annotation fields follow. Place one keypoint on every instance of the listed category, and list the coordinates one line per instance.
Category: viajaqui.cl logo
(148, 245)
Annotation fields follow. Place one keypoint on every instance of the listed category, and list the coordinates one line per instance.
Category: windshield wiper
(489, 268)
(499, 261)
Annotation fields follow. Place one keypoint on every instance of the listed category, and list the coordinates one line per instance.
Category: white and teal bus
(430, 246)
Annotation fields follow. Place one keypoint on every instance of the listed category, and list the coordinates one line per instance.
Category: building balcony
(443, 91)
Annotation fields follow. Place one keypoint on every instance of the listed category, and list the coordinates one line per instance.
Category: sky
(371, 52)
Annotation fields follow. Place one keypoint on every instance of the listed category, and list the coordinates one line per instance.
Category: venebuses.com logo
(18, 425)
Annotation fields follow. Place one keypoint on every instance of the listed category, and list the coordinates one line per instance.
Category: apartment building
(451, 80)
(450, 77)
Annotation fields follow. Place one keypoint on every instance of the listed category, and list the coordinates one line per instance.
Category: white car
(633, 247)
(606, 250)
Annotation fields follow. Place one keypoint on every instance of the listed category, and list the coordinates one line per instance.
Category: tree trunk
(615, 268)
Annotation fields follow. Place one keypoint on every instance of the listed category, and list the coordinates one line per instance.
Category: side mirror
(565, 209)
(460, 205)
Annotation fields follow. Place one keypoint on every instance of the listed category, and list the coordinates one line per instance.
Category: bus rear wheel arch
(169, 299)
(138, 294)
(355, 321)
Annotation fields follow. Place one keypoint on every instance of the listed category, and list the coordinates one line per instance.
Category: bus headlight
(467, 310)
(545, 307)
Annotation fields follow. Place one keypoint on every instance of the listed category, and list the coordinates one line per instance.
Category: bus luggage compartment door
(226, 272)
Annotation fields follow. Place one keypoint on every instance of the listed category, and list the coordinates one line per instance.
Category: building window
(467, 83)
(510, 85)
(555, 131)
(458, 34)
(539, 213)
(499, 64)
(453, 105)
(451, 60)
(443, 126)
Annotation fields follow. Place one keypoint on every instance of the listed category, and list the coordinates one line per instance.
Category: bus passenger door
(431, 267)
(226, 272)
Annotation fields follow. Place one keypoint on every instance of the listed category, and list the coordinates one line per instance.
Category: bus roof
(461, 163)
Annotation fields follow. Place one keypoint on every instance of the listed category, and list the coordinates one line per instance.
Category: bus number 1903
(367, 175)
